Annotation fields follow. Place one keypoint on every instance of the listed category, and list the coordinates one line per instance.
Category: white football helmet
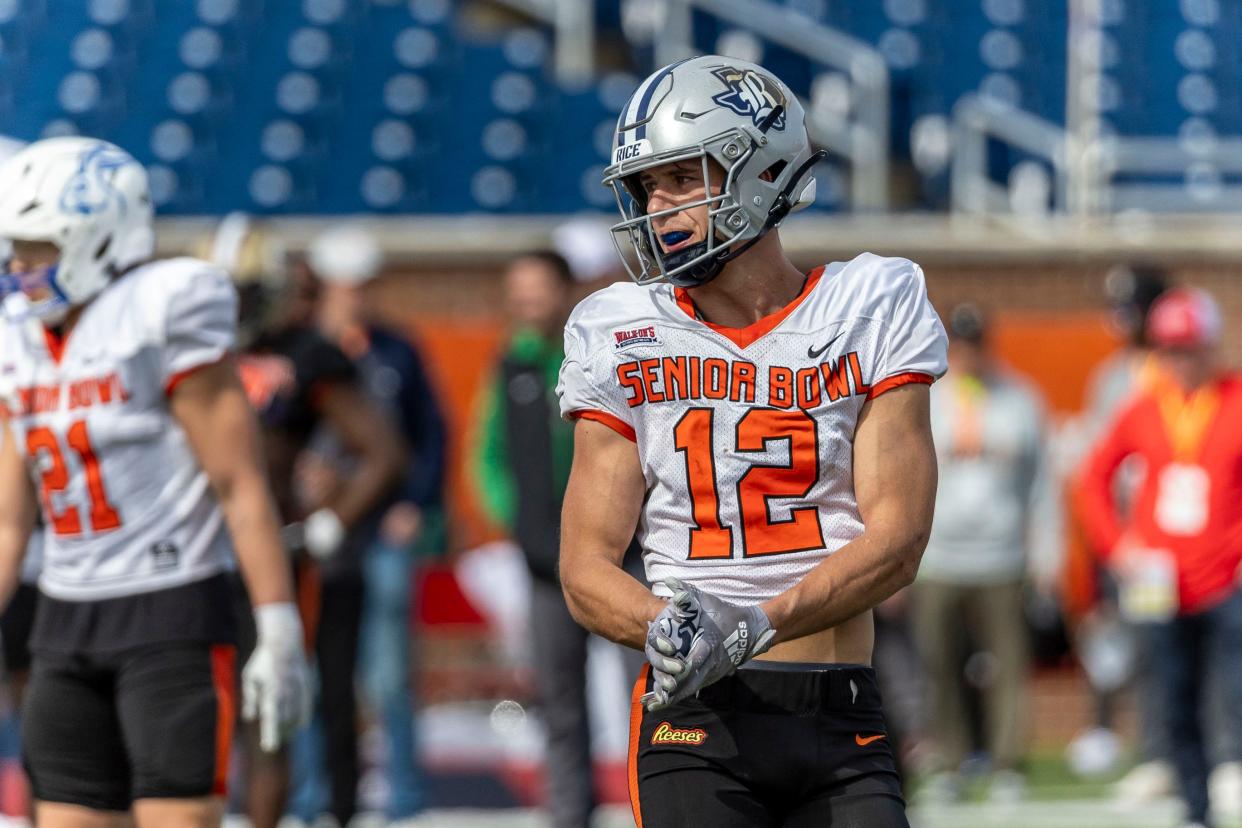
(735, 113)
(90, 199)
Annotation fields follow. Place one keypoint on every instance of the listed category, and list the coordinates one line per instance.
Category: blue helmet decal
(751, 93)
(91, 190)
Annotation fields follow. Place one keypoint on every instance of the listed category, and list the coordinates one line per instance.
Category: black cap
(967, 323)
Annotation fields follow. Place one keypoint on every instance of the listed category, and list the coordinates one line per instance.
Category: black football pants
(793, 745)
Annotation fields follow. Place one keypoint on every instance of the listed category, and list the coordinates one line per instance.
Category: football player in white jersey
(132, 434)
(767, 432)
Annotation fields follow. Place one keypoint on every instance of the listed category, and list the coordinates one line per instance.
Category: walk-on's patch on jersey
(746, 436)
(127, 507)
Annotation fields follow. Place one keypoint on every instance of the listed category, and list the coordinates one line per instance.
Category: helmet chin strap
(53, 310)
(694, 275)
(709, 269)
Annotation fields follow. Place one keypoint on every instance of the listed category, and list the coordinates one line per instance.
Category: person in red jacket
(1177, 554)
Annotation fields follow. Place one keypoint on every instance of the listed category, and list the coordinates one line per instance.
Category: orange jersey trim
(55, 343)
(743, 337)
(224, 680)
(898, 380)
(636, 726)
(177, 378)
(615, 423)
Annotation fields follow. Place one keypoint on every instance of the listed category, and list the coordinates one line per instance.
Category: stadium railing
(573, 22)
(861, 138)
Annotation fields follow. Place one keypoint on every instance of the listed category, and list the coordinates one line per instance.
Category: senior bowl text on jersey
(131, 347)
(746, 435)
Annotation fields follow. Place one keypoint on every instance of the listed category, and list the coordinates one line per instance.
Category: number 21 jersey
(128, 509)
(746, 435)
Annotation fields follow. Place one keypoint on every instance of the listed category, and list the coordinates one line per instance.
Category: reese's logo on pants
(666, 734)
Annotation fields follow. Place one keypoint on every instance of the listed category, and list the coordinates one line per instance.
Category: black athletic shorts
(15, 624)
(796, 745)
(102, 730)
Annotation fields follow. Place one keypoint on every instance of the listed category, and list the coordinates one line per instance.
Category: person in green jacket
(523, 449)
(520, 468)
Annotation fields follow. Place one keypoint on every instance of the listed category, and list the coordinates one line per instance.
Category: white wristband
(278, 623)
(322, 533)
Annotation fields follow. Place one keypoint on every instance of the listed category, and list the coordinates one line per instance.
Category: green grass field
(1056, 799)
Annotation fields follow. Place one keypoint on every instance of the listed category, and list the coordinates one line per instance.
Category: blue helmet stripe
(627, 117)
(648, 94)
(630, 113)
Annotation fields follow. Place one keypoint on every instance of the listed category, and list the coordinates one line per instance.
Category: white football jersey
(126, 506)
(746, 436)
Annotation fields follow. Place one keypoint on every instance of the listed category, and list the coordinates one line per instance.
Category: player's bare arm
(895, 482)
(372, 439)
(602, 504)
(17, 514)
(212, 407)
(220, 424)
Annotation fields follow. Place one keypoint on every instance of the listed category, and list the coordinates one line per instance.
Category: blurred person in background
(16, 622)
(520, 468)
(297, 382)
(1105, 641)
(1176, 554)
(586, 245)
(1131, 290)
(902, 678)
(585, 242)
(407, 522)
(997, 523)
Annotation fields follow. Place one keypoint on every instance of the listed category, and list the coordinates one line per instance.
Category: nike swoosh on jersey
(863, 741)
(815, 353)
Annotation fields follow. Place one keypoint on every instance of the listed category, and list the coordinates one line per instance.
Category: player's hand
(698, 639)
(322, 533)
(276, 684)
(402, 524)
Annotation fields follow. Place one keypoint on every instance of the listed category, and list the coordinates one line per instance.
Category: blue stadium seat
(353, 105)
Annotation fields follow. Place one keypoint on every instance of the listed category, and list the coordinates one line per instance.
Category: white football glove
(276, 683)
(698, 639)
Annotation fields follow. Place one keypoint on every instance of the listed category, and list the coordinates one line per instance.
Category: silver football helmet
(732, 112)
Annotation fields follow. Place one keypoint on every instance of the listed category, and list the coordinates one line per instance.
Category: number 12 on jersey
(68, 521)
(761, 482)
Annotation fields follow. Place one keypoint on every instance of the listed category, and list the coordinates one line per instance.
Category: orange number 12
(710, 537)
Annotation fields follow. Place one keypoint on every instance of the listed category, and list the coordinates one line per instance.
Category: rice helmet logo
(90, 190)
(632, 150)
(752, 93)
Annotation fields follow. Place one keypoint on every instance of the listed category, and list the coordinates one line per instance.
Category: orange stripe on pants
(224, 679)
(636, 726)
(309, 586)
